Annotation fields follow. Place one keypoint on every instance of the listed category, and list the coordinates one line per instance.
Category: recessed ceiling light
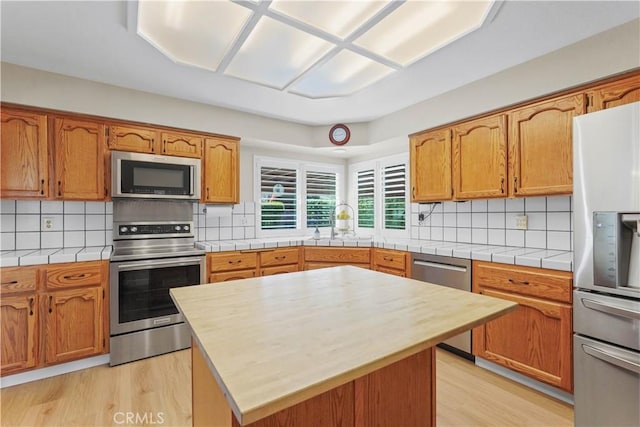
(197, 33)
(417, 28)
(340, 18)
(274, 54)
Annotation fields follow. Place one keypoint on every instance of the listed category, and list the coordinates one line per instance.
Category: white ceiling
(99, 41)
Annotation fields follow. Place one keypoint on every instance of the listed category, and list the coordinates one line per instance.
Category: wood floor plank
(466, 396)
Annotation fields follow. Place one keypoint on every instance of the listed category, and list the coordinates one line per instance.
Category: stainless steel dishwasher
(452, 273)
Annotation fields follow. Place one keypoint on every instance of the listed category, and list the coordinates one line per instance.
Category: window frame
(301, 168)
(378, 166)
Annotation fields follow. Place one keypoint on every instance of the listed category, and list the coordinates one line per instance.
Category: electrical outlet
(47, 224)
(521, 222)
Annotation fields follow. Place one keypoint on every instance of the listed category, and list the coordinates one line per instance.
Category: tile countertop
(531, 257)
(53, 256)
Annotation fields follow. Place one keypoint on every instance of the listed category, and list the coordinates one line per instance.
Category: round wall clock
(339, 134)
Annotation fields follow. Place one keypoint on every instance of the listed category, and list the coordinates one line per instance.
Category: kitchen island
(336, 346)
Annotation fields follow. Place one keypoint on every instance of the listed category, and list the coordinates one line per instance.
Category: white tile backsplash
(514, 205)
(560, 240)
(537, 221)
(27, 223)
(559, 204)
(28, 240)
(449, 234)
(74, 207)
(7, 206)
(496, 205)
(95, 238)
(52, 207)
(514, 238)
(52, 239)
(496, 236)
(7, 241)
(7, 223)
(535, 239)
(479, 235)
(27, 207)
(479, 219)
(94, 207)
(559, 221)
(535, 204)
(95, 222)
(73, 222)
(496, 220)
(449, 219)
(73, 239)
(479, 206)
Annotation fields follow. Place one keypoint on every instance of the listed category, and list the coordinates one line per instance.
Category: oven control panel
(131, 230)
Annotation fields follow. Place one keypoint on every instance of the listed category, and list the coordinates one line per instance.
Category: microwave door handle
(611, 309)
(611, 358)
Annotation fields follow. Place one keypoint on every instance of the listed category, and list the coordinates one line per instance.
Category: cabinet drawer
(279, 257)
(77, 274)
(338, 255)
(279, 269)
(232, 275)
(232, 261)
(390, 258)
(315, 265)
(548, 284)
(18, 279)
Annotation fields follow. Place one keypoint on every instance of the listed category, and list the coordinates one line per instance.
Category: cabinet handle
(164, 146)
(281, 257)
(207, 193)
(413, 192)
(13, 282)
(31, 306)
(515, 184)
(153, 148)
(502, 185)
(521, 282)
(59, 188)
(42, 187)
(235, 262)
(50, 301)
(74, 276)
(387, 258)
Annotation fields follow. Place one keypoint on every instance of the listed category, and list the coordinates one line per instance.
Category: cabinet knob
(31, 306)
(50, 301)
(516, 282)
(515, 184)
(502, 185)
(42, 186)
(59, 188)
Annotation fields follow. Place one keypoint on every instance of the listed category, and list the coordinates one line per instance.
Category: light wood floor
(160, 390)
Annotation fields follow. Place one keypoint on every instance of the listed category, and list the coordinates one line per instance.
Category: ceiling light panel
(274, 54)
(345, 73)
(337, 18)
(193, 32)
(418, 28)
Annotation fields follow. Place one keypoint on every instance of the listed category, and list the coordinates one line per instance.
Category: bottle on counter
(316, 234)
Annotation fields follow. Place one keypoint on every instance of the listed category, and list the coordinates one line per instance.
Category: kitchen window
(379, 193)
(296, 197)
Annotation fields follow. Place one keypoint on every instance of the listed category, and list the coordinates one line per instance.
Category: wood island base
(402, 393)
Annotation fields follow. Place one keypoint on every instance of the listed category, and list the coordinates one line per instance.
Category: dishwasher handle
(441, 266)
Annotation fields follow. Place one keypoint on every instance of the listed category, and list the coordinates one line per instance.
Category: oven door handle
(145, 265)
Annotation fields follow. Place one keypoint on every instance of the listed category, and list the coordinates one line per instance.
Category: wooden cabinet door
(430, 157)
(227, 276)
(24, 165)
(175, 144)
(73, 324)
(80, 155)
(480, 158)
(221, 179)
(614, 94)
(131, 138)
(18, 323)
(279, 269)
(540, 146)
(534, 340)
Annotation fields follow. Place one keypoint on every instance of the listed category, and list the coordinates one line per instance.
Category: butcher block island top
(275, 341)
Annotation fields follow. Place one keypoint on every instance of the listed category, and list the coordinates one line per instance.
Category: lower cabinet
(321, 257)
(225, 266)
(51, 314)
(536, 338)
(391, 261)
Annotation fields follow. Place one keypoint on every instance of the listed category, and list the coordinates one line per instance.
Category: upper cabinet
(220, 180)
(132, 138)
(79, 147)
(480, 158)
(430, 156)
(23, 150)
(614, 94)
(540, 146)
(184, 145)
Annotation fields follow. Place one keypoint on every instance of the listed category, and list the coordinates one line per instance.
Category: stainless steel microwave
(153, 176)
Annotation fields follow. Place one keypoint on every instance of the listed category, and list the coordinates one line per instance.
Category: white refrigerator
(606, 303)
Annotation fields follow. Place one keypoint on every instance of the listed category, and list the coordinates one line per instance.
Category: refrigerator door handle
(611, 309)
(613, 359)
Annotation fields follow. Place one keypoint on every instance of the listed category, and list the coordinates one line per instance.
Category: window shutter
(366, 194)
(394, 189)
(278, 188)
(321, 198)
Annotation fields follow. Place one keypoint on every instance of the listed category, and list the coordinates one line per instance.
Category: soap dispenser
(316, 234)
